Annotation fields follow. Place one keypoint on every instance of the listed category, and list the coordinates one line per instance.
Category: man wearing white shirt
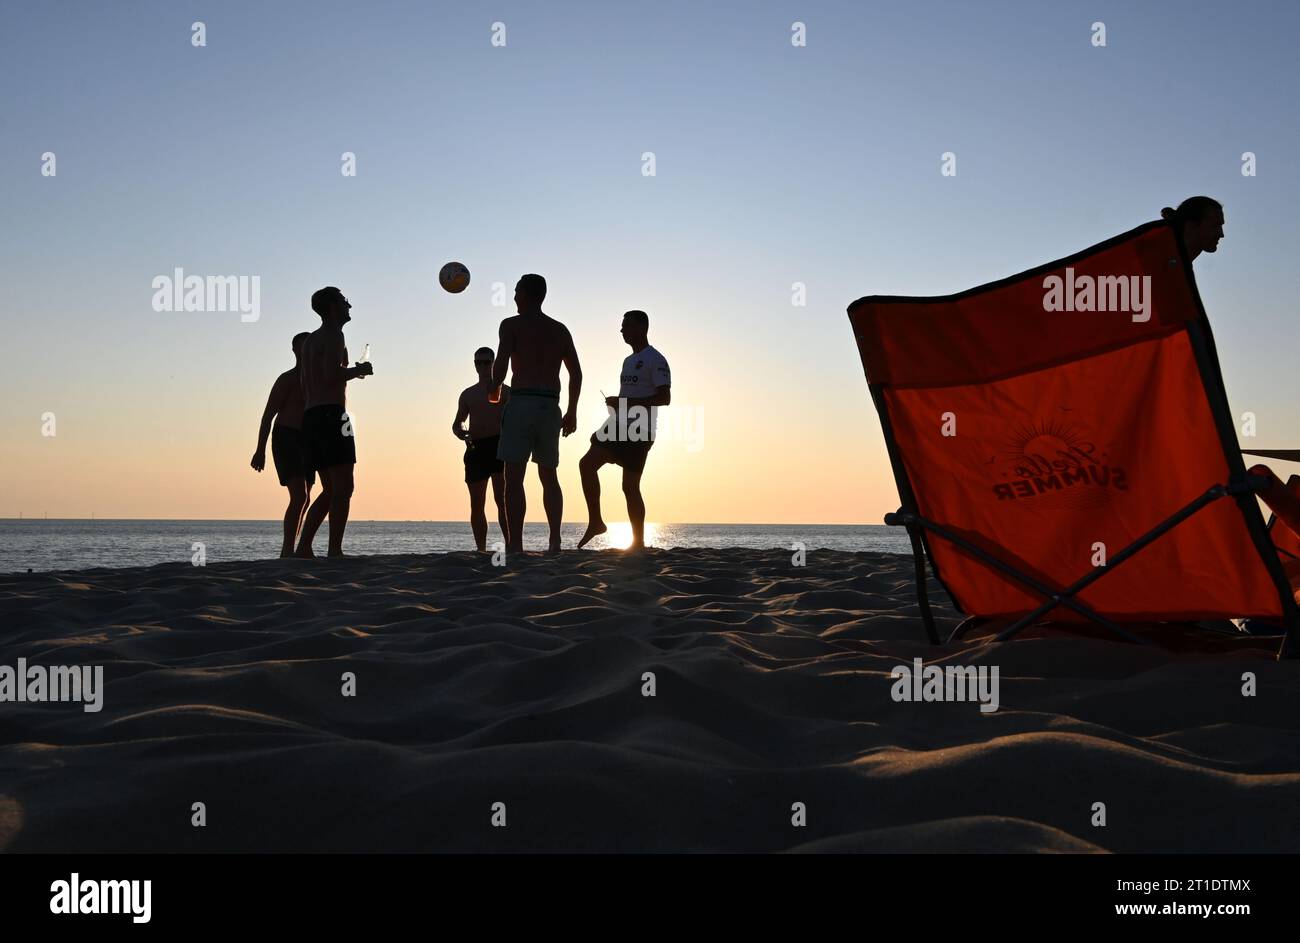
(627, 435)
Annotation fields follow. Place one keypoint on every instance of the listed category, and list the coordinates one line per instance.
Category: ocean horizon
(49, 544)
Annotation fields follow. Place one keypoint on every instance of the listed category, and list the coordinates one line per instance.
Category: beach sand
(523, 685)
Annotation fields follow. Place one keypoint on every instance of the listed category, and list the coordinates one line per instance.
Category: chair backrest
(1055, 417)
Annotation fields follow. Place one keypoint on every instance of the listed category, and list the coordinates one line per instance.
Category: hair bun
(1167, 213)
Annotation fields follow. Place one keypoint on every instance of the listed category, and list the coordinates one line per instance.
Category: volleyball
(454, 277)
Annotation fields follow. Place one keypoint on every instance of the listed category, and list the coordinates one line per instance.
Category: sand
(523, 685)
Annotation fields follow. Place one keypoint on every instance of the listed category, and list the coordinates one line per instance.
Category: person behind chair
(1200, 219)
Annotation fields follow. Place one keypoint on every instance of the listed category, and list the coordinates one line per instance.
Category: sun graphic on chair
(1045, 440)
(1051, 459)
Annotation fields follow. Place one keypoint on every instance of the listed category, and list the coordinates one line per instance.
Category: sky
(774, 164)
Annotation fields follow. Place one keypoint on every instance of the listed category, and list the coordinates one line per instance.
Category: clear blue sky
(775, 164)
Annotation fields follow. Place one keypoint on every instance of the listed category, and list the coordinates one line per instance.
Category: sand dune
(523, 685)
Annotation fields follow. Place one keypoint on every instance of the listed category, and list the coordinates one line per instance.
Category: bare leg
(340, 504)
(635, 507)
(293, 514)
(477, 519)
(553, 501)
(302, 515)
(516, 505)
(590, 468)
(499, 496)
(315, 515)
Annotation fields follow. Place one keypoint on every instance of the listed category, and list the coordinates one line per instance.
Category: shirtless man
(288, 448)
(533, 346)
(325, 423)
(481, 462)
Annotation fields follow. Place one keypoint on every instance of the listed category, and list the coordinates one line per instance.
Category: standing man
(481, 441)
(534, 345)
(288, 447)
(627, 435)
(326, 425)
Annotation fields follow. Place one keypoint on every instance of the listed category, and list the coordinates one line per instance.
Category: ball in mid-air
(454, 277)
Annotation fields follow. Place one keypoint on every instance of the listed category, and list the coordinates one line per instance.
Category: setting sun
(619, 535)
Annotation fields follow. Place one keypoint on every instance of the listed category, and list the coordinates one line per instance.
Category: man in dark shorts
(481, 441)
(629, 432)
(326, 426)
(288, 446)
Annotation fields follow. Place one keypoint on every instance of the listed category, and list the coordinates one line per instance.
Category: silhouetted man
(326, 426)
(288, 447)
(481, 441)
(1200, 219)
(627, 435)
(533, 346)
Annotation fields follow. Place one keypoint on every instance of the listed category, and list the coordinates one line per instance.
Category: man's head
(483, 360)
(636, 327)
(297, 344)
(1201, 221)
(332, 307)
(530, 292)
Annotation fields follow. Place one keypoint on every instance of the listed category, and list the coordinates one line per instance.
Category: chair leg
(966, 625)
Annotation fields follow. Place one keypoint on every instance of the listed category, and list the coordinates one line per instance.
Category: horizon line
(387, 520)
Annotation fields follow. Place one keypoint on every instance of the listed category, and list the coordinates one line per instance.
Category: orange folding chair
(1063, 447)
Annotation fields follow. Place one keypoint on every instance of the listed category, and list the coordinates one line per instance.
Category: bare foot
(594, 530)
(304, 553)
(334, 554)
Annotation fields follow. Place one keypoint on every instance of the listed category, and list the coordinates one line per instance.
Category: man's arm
(462, 412)
(505, 350)
(273, 403)
(575, 383)
(337, 362)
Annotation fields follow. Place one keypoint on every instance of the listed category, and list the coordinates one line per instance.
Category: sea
(43, 545)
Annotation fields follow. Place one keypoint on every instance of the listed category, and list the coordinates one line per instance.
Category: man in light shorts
(532, 346)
